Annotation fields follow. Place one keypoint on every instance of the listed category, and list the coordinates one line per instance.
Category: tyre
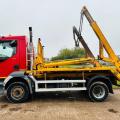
(98, 91)
(17, 92)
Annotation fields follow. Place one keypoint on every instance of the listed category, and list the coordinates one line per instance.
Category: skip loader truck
(24, 74)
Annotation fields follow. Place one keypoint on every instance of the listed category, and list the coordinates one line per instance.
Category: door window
(7, 49)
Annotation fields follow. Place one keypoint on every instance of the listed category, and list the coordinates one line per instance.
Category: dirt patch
(64, 106)
(4, 106)
(15, 109)
(29, 110)
(112, 111)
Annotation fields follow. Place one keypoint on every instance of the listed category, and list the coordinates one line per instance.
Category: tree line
(69, 54)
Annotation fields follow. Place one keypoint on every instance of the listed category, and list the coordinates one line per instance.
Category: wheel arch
(18, 76)
(101, 78)
(23, 79)
(15, 79)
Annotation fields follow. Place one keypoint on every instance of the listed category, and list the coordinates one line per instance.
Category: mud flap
(1, 88)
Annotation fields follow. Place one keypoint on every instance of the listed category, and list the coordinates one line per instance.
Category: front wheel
(17, 92)
(98, 91)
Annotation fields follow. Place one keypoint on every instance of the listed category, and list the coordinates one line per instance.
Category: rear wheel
(98, 91)
(17, 92)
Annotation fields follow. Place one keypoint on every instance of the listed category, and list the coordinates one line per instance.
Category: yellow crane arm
(103, 41)
(39, 59)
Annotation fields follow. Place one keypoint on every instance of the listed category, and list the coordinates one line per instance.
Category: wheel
(17, 92)
(98, 91)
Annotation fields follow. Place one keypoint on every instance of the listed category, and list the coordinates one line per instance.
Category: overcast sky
(52, 20)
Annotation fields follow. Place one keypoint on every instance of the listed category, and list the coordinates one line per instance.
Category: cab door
(9, 57)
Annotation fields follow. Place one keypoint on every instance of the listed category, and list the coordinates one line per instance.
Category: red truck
(23, 74)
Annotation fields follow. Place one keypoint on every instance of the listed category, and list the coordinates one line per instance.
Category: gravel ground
(62, 106)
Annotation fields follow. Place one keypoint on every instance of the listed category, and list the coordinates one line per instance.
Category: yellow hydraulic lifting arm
(103, 41)
(39, 59)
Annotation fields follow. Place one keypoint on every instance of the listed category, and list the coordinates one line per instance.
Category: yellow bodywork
(41, 68)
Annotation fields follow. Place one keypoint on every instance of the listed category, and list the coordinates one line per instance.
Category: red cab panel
(12, 54)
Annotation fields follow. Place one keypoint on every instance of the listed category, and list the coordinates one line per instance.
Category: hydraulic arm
(41, 65)
(103, 41)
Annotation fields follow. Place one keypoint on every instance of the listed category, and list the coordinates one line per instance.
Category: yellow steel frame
(42, 67)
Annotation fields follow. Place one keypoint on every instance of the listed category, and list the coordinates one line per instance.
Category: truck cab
(13, 54)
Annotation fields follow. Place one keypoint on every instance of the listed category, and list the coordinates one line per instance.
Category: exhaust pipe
(31, 48)
(30, 33)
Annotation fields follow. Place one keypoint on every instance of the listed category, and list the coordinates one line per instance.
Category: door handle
(14, 58)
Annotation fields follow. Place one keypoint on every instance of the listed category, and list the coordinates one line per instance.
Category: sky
(52, 21)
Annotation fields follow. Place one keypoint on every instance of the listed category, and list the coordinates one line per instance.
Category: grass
(116, 87)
